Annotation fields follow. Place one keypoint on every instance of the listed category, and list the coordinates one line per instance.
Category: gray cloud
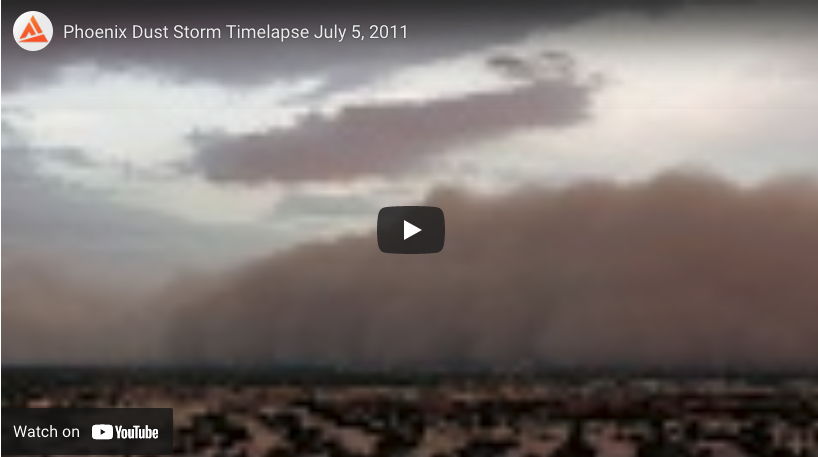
(365, 140)
(684, 271)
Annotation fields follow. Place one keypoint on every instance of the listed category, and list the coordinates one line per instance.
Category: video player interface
(513, 229)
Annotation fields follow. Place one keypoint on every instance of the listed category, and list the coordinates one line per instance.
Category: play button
(411, 230)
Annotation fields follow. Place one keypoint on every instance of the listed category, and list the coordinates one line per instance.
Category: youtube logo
(411, 230)
(102, 431)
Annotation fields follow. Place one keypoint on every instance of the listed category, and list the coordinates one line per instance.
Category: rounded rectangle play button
(411, 229)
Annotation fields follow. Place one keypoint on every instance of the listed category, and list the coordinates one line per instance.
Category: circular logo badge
(33, 31)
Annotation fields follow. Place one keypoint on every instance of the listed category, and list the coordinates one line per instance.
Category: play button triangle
(409, 230)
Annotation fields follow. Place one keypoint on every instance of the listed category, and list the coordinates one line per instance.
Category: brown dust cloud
(685, 270)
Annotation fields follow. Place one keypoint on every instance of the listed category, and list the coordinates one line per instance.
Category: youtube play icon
(411, 230)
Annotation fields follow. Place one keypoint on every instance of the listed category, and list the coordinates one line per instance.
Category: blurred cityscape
(319, 416)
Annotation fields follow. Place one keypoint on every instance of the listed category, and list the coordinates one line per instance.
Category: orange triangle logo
(34, 32)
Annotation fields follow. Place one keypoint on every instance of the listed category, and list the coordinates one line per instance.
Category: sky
(153, 160)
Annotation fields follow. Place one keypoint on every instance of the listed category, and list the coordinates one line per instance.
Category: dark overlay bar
(87, 431)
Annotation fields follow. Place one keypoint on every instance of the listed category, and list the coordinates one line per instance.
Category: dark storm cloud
(435, 30)
(680, 272)
(385, 139)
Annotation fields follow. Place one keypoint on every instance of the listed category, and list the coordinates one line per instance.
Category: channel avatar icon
(33, 31)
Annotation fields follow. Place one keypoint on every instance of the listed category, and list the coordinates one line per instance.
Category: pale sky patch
(142, 119)
(687, 90)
